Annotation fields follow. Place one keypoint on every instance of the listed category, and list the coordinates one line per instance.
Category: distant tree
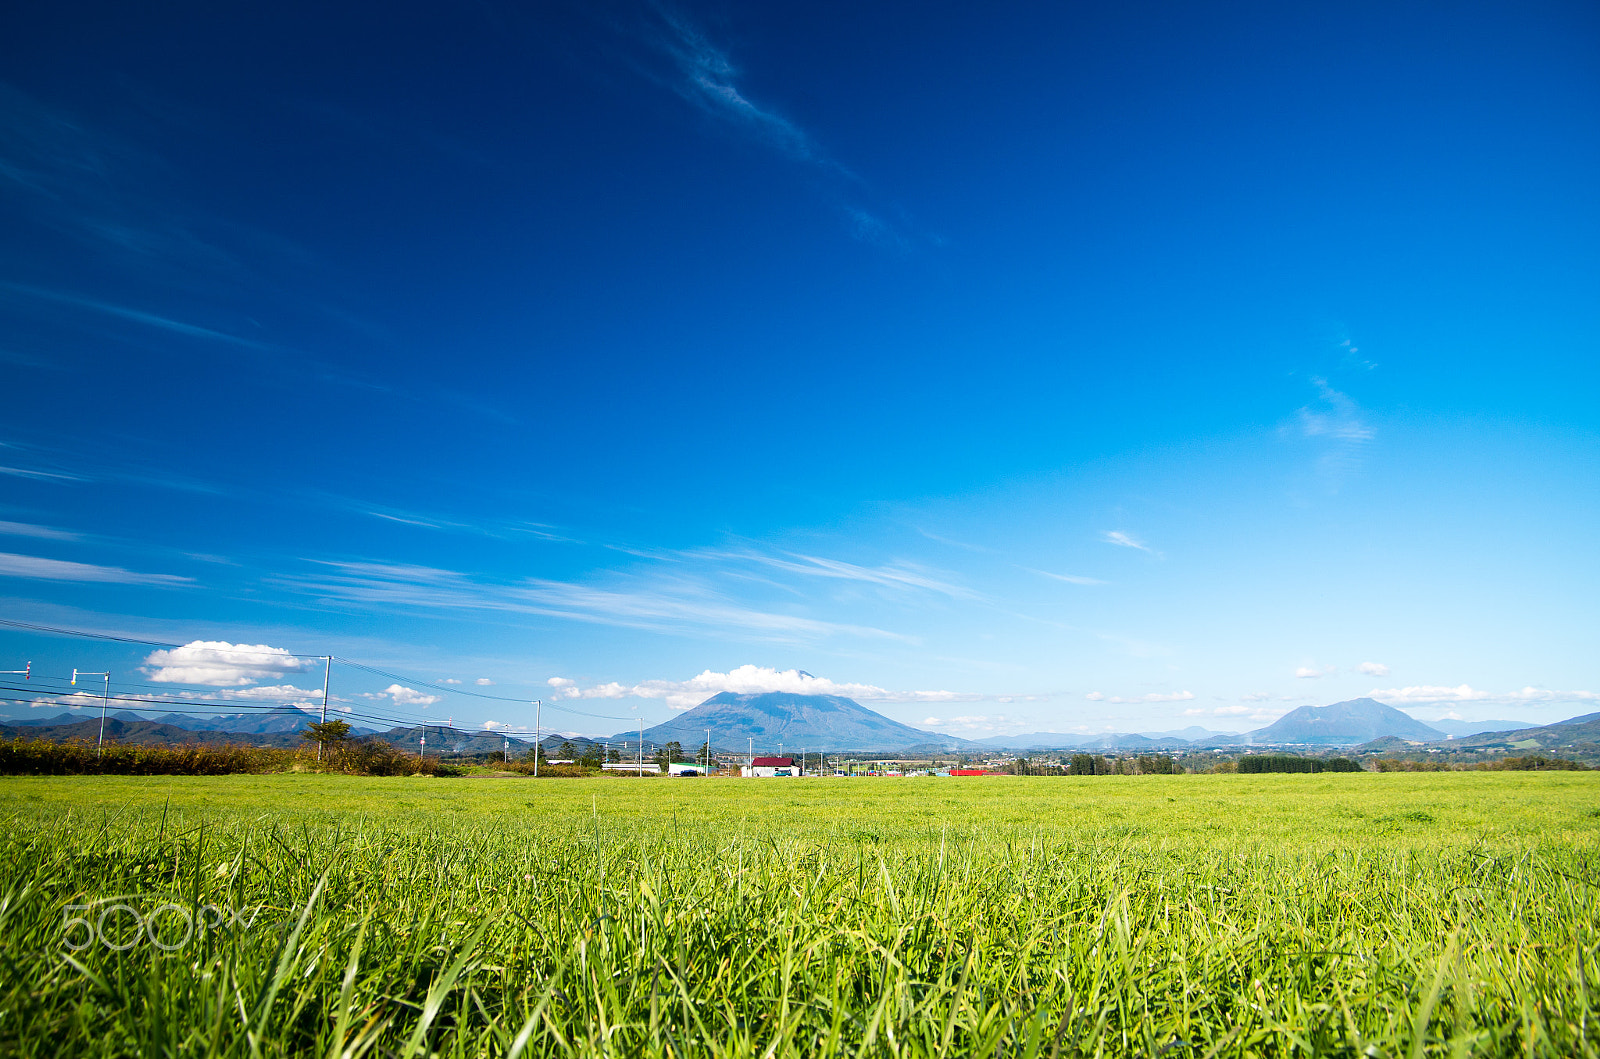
(590, 757)
(567, 750)
(669, 753)
(325, 733)
(1155, 765)
(613, 755)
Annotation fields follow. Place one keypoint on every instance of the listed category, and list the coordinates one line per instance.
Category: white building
(770, 766)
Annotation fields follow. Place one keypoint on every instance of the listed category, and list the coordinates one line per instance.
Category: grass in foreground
(1399, 914)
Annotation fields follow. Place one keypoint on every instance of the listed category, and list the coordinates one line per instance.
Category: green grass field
(1394, 915)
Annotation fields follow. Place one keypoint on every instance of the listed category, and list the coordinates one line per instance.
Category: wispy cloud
(1071, 579)
(899, 575)
(952, 542)
(1124, 540)
(25, 529)
(138, 316)
(1313, 672)
(1175, 696)
(1333, 423)
(661, 605)
(37, 569)
(1373, 669)
(708, 79)
(23, 472)
(96, 189)
(1335, 415)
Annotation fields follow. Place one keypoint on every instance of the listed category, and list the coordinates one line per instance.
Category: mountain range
(770, 720)
(1344, 724)
(795, 722)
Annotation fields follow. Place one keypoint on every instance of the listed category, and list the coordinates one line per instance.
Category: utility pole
(327, 671)
(641, 746)
(105, 696)
(423, 753)
(708, 751)
(538, 733)
(507, 741)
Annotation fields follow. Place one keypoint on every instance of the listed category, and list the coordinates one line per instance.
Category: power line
(38, 696)
(444, 689)
(31, 627)
(472, 694)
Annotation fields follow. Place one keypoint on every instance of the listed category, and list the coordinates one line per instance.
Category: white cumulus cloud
(404, 696)
(484, 682)
(1312, 672)
(269, 693)
(1431, 693)
(1373, 669)
(222, 664)
(745, 680)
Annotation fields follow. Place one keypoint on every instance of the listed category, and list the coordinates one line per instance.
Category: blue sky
(1031, 367)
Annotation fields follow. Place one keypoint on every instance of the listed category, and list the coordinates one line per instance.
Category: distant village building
(770, 766)
(686, 768)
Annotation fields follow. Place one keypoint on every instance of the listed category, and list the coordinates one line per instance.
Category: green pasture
(1400, 914)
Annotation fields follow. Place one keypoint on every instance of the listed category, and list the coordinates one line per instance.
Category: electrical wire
(474, 694)
(444, 689)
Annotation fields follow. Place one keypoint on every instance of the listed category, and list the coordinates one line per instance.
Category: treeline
(1100, 765)
(371, 757)
(1291, 763)
(1534, 763)
(1526, 763)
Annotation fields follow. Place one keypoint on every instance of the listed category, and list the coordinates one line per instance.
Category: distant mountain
(251, 722)
(443, 740)
(1344, 724)
(1151, 741)
(61, 718)
(1578, 733)
(798, 722)
(1461, 728)
(1036, 741)
(128, 728)
(1194, 734)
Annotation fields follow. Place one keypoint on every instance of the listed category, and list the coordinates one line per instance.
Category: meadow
(1365, 914)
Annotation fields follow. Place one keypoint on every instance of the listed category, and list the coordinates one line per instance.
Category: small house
(770, 766)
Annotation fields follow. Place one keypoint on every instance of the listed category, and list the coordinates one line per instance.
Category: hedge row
(1291, 763)
(42, 757)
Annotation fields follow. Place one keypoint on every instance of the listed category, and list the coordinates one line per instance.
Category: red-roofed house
(770, 766)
